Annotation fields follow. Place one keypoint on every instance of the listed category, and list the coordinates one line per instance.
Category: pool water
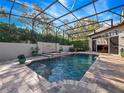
(68, 67)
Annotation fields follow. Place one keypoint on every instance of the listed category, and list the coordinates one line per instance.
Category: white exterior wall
(90, 44)
(52, 47)
(12, 50)
(48, 47)
(66, 47)
(109, 45)
(121, 40)
(120, 30)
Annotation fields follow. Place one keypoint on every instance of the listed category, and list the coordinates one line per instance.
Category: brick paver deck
(106, 75)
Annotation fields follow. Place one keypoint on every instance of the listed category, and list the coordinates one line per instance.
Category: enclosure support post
(63, 37)
(32, 33)
(72, 38)
(68, 37)
(11, 13)
(32, 25)
(111, 22)
(56, 45)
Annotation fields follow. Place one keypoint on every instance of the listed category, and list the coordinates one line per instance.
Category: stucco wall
(120, 31)
(48, 47)
(12, 50)
(121, 40)
(66, 47)
(90, 44)
(52, 47)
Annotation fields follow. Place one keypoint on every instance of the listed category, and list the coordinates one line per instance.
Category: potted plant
(21, 59)
(122, 52)
(71, 49)
(60, 49)
(34, 51)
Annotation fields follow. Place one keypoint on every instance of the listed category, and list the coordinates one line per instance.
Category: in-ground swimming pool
(68, 67)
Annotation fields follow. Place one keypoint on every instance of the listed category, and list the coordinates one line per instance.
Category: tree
(39, 23)
(25, 35)
(3, 12)
(80, 27)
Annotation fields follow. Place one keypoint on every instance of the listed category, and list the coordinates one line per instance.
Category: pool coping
(44, 84)
(49, 85)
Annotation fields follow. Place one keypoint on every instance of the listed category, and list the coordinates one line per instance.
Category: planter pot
(22, 61)
(122, 54)
(34, 53)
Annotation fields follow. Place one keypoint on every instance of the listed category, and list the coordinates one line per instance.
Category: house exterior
(107, 39)
(122, 18)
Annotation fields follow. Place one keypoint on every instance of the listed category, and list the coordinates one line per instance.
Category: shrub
(71, 49)
(60, 49)
(34, 51)
(122, 52)
(81, 45)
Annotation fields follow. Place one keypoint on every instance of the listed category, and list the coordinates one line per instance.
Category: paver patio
(106, 75)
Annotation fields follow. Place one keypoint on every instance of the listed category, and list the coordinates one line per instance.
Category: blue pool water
(67, 67)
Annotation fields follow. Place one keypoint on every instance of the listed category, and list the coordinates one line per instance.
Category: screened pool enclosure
(55, 20)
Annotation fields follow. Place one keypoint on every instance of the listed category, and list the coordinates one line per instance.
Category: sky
(57, 10)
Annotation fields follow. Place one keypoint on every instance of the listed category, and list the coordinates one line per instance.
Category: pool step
(71, 86)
